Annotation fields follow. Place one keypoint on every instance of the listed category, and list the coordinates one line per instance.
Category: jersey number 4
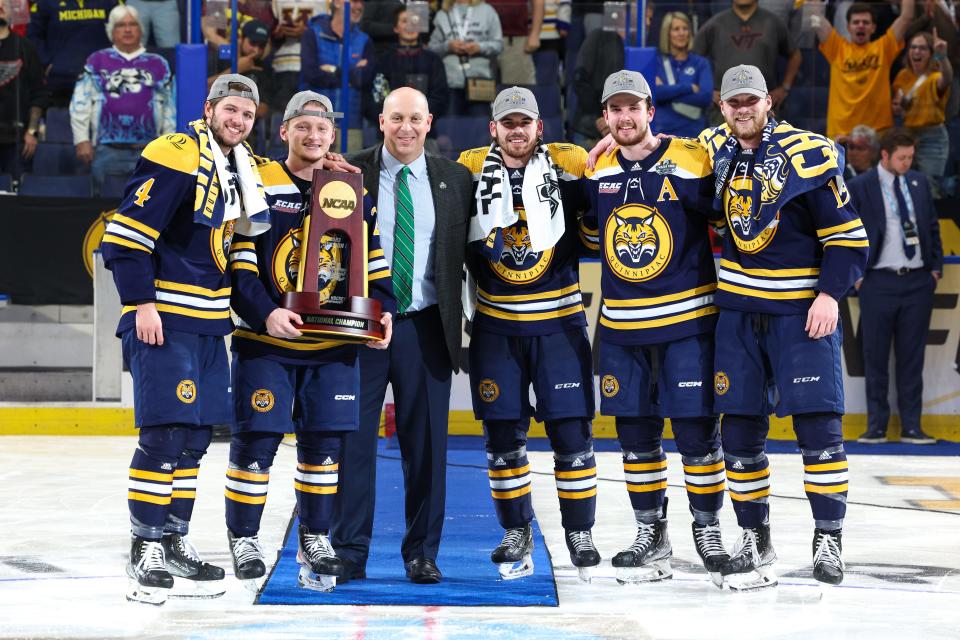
(143, 193)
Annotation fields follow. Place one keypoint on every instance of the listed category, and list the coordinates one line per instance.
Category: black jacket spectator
(23, 97)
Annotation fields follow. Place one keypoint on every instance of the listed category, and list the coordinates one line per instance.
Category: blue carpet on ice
(470, 532)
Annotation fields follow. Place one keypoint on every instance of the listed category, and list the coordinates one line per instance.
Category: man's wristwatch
(32, 131)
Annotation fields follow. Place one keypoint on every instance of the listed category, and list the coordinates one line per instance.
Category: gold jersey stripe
(279, 342)
(577, 495)
(140, 474)
(130, 244)
(136, 224)
(769, 273)
(240, 246)
(146, 497)
(827, 466)
(318, 467)
(240, 474)
(704, 468)
(306, 488)
(648, 302)
(189, 288)
(660, 322)
(766, 293)
(544, 295)
(546, 315)
(182, 473)
(645, 466)
(845, 226)
(746, 497)
(816, 488)
(579, 473)
(748, 475)
(507, 495)
(716, 488)
(847, 243)
(509, 473)
(645, 488)
(184, 311)
(184, 494)
(239, 497)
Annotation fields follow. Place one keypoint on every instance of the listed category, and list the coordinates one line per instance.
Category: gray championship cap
(515, 100)
(743, 78)
(221, 88)
(625, 81)
(298, 106)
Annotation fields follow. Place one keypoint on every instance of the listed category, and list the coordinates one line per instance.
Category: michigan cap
(515, 100)
(743, 78)
(625, 81)
(221, 88)
(298, 103)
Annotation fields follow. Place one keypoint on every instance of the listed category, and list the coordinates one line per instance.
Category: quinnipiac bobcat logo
(721, 383)
(489, 390)
(286, 263)
(638, 243)
(220, 239)
(262, 400)
(187, 391)
(517, 263)
(609, 386)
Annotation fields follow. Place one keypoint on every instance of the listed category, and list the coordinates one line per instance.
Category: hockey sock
(748, 470)
(251, 456)
(185, 479)
(150, 482)
(820, 436)
(644, 465)
(575, 472)
(318, 474)
(509, 471)
(698, 440)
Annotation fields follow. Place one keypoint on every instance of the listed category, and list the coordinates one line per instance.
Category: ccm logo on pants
(806, 379)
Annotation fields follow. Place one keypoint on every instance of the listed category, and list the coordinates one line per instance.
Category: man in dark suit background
(423, 204)
(896, 293)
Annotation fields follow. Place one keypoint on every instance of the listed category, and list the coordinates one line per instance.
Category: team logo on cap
(622, 79)
(514, 99)
(489, 390)
(721, 383)
(609, 386)
(742, 77)
(638, 242)
(187, 391)
(262, 400)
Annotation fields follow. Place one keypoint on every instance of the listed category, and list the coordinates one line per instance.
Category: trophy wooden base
(356, 321)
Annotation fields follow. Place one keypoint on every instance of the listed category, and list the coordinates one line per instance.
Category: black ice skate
(709, 544)
(194, 577)
(827, 564)
(648, 558)
(248, 565)
(583, 553)
(750, 566)
(150, 582)
(319, 565)
(513, 557)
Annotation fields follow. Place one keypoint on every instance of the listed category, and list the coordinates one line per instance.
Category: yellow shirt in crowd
(928, 106)
(859, 82)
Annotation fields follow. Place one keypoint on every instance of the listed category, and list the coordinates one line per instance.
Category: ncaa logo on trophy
(331, 293)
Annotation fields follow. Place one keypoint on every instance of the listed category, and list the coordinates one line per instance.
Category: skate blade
(514, 570)
(585, 574)
(653, 572)
(186, 589)
(316, 582)
(716, 579)
(760, 578)
(136, 592)
(253, 585)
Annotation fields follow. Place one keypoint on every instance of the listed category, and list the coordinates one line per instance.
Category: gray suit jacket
(452, 188)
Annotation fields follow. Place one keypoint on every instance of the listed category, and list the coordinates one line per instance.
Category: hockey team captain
(794, 246)
(167, 248)
(285, 381)
(650, 206)
(530, 328)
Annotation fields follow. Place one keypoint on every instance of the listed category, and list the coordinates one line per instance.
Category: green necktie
(403, 243)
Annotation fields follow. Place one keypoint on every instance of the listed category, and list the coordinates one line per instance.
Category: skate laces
(317, 545)
(645, 535)
(746, 545)
(828, 551)
(580, 540)
(247, 549)
(151, 557)
(708, 540)
(187, 550)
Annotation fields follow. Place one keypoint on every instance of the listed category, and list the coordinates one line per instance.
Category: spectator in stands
(548, 32)
(600, 55)
(860, 69)
(378, 22)
(247, 10)
(292, 17)
(684, 80)
(920, 93)
(467, 34)
(321, 50)
(65, 33)
(161, 18)
(896, 292)
(252, 61)
(862, 148)
(747, 34)
(123, 100)
(521, 23)
(408, 63)
(23, 98)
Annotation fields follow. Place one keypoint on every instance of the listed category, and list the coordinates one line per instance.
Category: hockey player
(649, 219)
(167, 247)
(284, 381)
(794, 247)
(529, 328)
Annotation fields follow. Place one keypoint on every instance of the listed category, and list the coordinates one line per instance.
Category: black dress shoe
(423, 571)
(351, 571)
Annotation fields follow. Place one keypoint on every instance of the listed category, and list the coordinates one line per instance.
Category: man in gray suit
(423, 203)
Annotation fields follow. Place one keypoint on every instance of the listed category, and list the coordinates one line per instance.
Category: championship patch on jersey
(609, 386)
(187, 391)
(721, 383)
(262, 400)
(638, 243)
(518, 264)
(489, 390)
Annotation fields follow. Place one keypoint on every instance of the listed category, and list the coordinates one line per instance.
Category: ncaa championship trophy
(331, 292)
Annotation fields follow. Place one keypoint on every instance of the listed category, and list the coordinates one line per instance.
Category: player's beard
(630, 138)
(217, 129)
(748, 129)
(522, 154)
